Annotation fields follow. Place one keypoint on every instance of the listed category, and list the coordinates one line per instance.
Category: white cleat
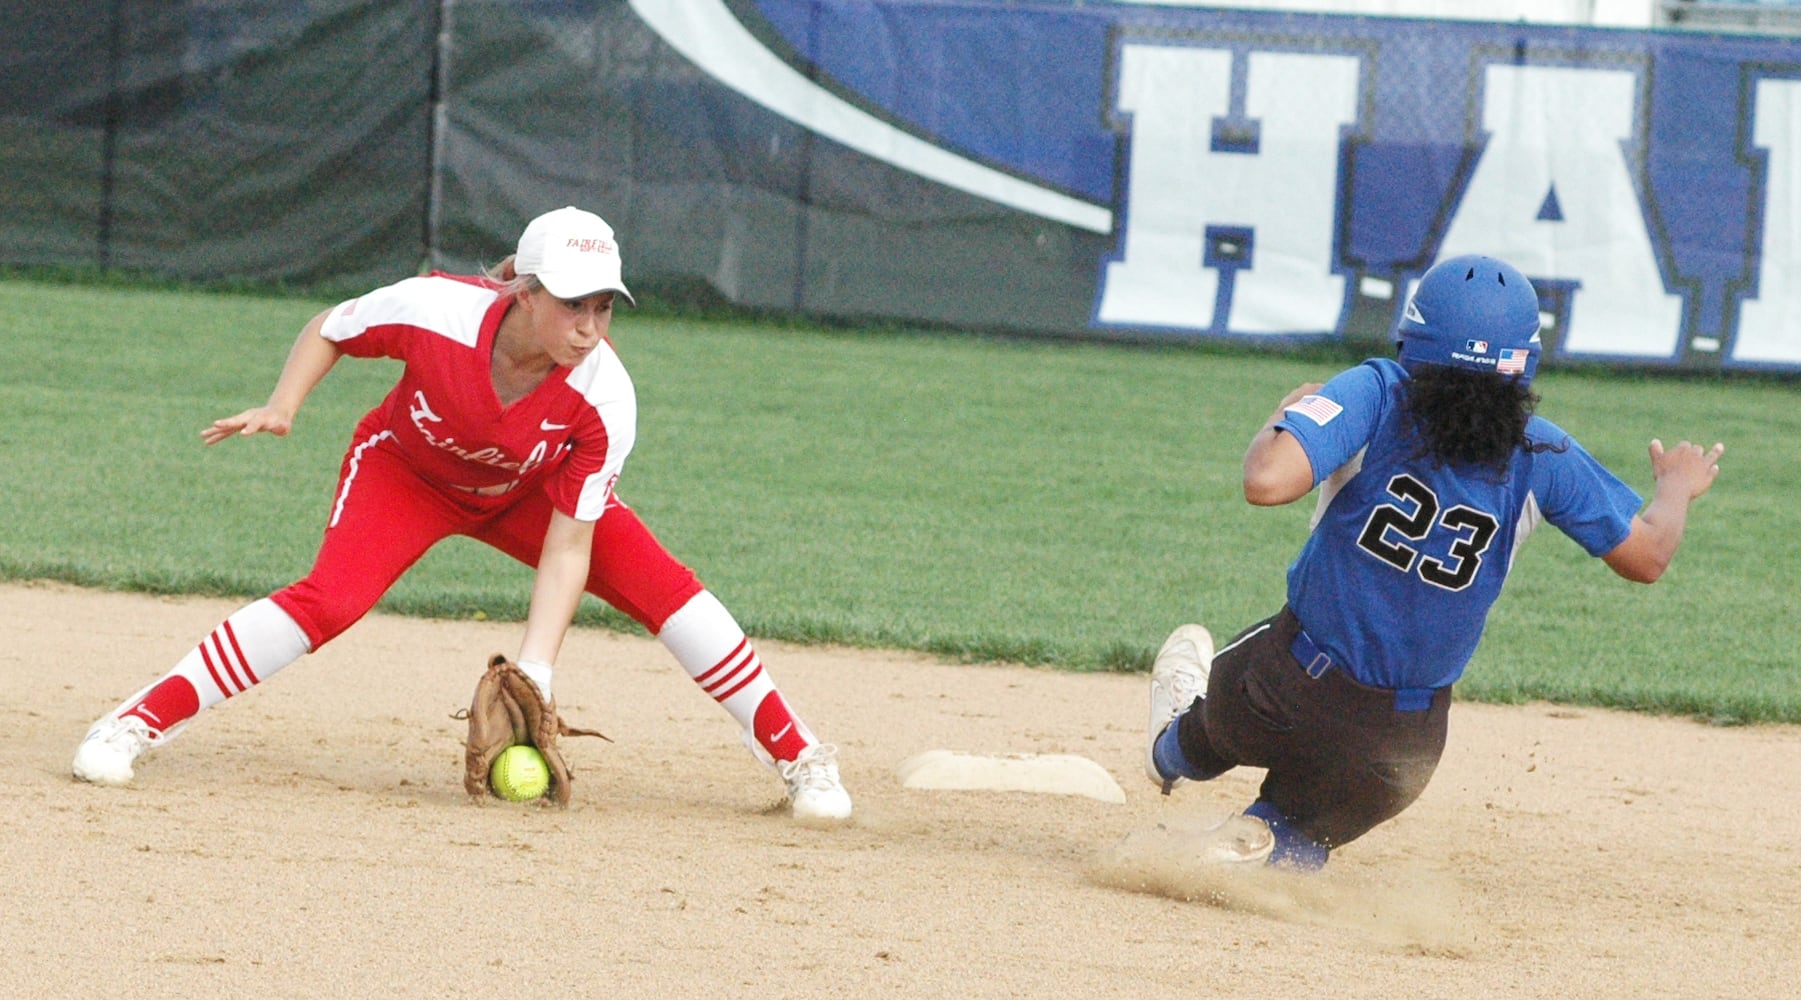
(1238, 840)
(1178, 676)
(814, 791)
(112, 745)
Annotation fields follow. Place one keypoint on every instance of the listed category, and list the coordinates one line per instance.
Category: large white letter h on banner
(1230, 211)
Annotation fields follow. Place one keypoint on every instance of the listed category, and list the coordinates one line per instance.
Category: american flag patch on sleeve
(1319, 409)
(1512, 361)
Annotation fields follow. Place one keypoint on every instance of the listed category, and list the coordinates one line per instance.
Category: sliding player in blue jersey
(1432, 470)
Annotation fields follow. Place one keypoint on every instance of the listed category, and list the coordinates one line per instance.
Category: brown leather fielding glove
(508, 709)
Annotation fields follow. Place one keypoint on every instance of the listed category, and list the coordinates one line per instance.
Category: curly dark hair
(1468, 417)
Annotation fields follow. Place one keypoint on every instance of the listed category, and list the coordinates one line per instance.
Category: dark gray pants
(1341, 757)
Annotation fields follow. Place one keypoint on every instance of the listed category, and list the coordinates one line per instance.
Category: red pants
(384, 518)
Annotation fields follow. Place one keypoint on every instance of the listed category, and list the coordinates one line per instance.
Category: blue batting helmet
(1472, 312)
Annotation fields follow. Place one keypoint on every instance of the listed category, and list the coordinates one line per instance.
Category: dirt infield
(312, 839)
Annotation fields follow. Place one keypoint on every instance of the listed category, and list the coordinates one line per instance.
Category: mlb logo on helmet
(1464, 308)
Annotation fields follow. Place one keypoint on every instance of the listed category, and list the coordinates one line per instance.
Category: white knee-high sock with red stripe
(246, 649)
(707, 641)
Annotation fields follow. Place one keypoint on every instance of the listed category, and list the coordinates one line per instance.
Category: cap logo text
(591, 245)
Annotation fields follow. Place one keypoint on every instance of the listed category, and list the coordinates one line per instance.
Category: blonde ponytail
(511, 282)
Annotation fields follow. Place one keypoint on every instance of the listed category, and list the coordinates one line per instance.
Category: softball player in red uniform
(510, 424)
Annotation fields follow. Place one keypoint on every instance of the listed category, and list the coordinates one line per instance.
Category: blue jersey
(1407, 556)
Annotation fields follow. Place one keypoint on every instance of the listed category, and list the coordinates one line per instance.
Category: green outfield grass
(1049, 503)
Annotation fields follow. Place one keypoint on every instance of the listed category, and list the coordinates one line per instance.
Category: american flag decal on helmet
(1512, 361)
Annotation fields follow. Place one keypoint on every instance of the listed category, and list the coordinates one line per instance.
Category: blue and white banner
(1256, 175)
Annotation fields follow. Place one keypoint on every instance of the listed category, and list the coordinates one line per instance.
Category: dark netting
(218, 139)
(712, 192)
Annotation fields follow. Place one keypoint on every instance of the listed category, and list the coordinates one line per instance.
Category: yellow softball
(519, 774)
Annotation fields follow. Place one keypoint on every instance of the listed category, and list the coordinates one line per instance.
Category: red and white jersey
(571, 434)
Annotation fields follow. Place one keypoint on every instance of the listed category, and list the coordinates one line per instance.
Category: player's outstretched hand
(259, 420)
(1691, 466)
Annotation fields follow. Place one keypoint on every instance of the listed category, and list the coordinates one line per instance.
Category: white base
(1056, 774)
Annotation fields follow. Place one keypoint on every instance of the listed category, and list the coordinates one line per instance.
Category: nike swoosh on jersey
(545, 425)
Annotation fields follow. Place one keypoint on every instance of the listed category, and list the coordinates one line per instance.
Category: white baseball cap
(572, 253)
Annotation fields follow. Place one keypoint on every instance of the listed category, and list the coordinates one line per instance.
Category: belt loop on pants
(1308, 654)
(1316, 662)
